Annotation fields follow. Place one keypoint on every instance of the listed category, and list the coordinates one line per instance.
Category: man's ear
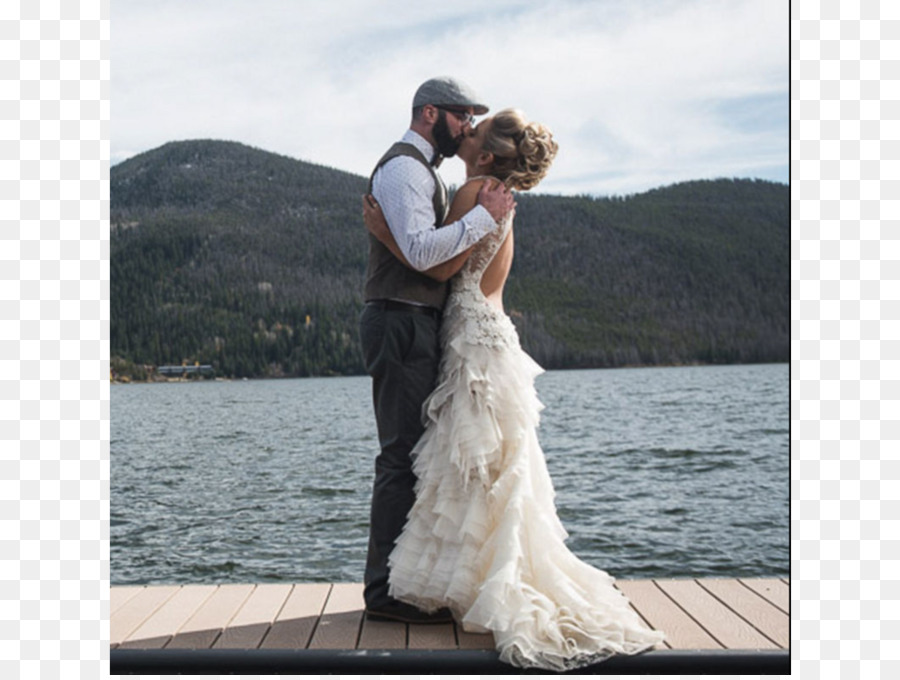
(430, 114)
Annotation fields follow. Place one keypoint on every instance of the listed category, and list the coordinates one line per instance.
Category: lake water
(659, 472)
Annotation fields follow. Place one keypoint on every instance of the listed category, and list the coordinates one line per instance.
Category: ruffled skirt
(483, 537)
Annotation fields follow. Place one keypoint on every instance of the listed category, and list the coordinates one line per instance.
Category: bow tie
(437, 160)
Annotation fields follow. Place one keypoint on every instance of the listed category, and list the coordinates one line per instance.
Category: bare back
(494, 277)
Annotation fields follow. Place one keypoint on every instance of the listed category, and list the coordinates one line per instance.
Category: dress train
(483, 537)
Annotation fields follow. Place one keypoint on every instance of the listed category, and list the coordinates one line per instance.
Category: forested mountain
(253, 262)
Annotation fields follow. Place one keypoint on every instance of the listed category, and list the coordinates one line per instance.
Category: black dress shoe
(406, 613)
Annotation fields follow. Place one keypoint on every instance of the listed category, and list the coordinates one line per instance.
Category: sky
(638, 93)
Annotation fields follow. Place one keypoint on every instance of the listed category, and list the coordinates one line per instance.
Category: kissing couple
(463, 521)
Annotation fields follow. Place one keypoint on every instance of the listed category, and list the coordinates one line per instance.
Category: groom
(399, 325)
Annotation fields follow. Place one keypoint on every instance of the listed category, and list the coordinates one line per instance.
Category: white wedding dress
(483, 537)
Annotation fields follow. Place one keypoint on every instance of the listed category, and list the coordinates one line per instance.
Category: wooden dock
(698, 616)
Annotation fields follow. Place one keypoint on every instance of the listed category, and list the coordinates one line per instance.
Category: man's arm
(373, 217)
(404, 189)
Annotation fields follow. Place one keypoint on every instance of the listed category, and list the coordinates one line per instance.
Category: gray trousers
(401, 351)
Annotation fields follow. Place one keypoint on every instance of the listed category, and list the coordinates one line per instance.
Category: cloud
(638, 94)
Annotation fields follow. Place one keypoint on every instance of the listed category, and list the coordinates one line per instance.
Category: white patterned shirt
(404, 189)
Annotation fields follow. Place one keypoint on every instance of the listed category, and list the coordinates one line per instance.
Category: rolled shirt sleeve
(404, 189)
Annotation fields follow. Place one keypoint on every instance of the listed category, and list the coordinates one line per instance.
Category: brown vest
(387, 277)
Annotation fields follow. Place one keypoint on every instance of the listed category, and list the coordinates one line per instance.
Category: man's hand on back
(497, 200)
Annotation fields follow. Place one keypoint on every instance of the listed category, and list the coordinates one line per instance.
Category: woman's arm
(463, 202)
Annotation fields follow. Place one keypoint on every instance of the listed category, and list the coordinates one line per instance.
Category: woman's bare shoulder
(480, 180)
(468, 192)
(466, 197)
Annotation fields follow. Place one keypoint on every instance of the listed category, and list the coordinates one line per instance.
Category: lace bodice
(482, 255)
(468, 312)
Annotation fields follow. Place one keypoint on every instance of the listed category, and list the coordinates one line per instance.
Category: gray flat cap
(447, 91)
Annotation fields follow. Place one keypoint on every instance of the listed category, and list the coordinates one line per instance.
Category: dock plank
(658, 609)
(340, 622)
(382, 635)
(720, 621)
(253, 620)
(774, 590)
(210, 620)
(474, 640)
(431, 636)
(137, 610)
(119, 595)
(664, 644)
(726, 613)
(752, 607)
(159, 627)
(294, 625)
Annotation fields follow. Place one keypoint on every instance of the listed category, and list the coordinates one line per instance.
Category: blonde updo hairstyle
(522, 151)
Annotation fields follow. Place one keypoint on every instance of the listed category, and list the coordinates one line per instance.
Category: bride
(483, 537)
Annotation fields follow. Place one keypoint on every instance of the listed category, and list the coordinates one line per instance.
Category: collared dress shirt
(404, 190)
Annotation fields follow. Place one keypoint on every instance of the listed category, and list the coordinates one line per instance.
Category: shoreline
(126, 380)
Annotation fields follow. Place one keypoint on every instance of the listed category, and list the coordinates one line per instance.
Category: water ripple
(661, 472)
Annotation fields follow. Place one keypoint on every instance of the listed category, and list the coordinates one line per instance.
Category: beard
(447, 145)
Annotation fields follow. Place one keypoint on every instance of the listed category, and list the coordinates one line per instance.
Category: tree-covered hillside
(254, 263)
